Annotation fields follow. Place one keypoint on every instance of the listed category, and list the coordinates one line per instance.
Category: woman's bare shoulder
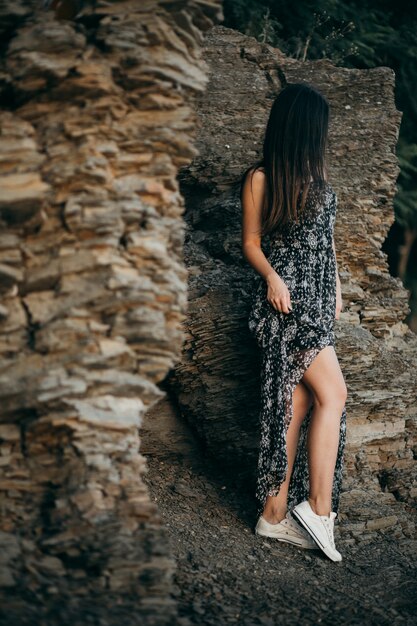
(257, 176)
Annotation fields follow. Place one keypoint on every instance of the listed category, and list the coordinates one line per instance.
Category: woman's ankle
(274, 516)
(320, 506)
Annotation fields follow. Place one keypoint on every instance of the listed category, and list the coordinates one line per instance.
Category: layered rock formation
(217, 381)
(97, 116)
(96, 119)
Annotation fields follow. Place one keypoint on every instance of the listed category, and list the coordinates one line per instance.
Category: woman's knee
(325, 379)
(333, 396)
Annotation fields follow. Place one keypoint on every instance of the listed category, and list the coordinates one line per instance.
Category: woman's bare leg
(325, 381)
(276, 506)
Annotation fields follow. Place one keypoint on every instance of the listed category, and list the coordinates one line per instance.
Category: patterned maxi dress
(303, 256)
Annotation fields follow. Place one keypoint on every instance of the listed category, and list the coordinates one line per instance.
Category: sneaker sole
(293, 543)
(316, 539)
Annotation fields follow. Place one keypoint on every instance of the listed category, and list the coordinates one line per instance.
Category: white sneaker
(320, 528)
(287, 530)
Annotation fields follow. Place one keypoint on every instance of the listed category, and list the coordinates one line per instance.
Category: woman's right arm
(252, 196)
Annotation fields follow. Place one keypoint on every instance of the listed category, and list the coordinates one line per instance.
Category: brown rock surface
(95, 122)
(217, 381)
(97, 116)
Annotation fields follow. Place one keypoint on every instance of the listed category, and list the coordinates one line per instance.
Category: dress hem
(309, 355)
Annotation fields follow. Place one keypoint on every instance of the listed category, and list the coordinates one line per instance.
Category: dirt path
(228, 575)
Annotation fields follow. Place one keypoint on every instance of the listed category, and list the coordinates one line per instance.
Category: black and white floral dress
(303, 256)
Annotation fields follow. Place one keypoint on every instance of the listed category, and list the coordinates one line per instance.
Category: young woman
(288, 203)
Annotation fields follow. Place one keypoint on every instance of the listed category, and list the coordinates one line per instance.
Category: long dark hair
(294, 152)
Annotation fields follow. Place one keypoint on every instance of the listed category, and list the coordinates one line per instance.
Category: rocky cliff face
(98, 115)
(217, 381)
(96, 119)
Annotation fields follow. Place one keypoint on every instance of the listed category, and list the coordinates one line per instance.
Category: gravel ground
(228, 575)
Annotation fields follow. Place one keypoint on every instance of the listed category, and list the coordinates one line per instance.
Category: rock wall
(217, 381)
(95, 120)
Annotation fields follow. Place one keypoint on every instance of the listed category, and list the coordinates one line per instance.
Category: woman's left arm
(339, 301)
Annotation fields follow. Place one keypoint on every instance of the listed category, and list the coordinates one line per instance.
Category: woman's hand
(278, 295)
(339, 301)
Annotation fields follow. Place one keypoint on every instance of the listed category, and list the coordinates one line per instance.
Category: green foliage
(406, 198)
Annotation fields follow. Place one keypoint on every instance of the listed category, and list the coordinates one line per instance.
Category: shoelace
(329, 529)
